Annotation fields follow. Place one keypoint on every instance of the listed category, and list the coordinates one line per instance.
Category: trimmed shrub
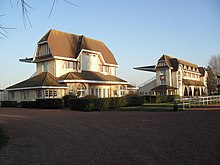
(9, 104)
(166, 99)
(90, 96)
(149, 99)
(82, 104)
(104, 104)
(28, 104)
(53, 103)
(67, 98)
(118, 102)
(134, 100)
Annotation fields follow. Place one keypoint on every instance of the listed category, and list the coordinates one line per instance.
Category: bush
(104, 104)
(166, 99)
(53, 103)
(28, 104)
(117, 102)
(82, 104)
(9, 104)
(149, 99)
(67, 98)
(134, 100)
(90, 96)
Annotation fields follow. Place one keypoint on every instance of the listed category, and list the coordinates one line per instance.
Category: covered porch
(164, 90)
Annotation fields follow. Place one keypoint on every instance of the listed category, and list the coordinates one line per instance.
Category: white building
(70, 64)
(175, 77)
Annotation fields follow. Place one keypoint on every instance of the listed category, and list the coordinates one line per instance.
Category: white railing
(193, 102)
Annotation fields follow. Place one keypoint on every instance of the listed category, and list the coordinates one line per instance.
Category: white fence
(197, 101)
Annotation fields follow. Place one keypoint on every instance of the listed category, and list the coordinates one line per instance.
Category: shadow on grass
(3, 138)
(157, 107)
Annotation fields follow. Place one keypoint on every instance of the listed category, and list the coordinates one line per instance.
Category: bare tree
(4, 30)
(213, 73)
(26, 8)
(214, 64)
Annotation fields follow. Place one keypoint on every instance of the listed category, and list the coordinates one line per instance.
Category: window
(26, 94)
(100, 92)
(43, 49)
(122, 90)
(104, 95)
(161, 63)
(106, 69)
(97, 92)
(162, 72)
(69, 65)
(45, 67)
(108, 92)
(12, 94)
(50, 93)
(100, 68)
(39, 93)
(163, 82)
(92, 91)
(46, 93)
(81, 90)
(55, 93)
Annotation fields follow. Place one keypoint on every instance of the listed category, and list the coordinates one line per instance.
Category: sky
(137, 32)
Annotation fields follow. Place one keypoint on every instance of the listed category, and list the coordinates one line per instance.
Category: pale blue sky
(138, 32)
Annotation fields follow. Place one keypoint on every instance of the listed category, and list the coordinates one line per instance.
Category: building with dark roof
(70, 64)
(175, 77)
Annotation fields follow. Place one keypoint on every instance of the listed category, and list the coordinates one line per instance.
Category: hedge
(104, 104)
(52, 103)
(161, 99)
(9, 104)
(134, 100)
(28, 104)
(166, 99)
(67, 98)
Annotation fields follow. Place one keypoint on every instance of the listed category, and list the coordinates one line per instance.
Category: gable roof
(174, 62)
(170, 62)
(45, 79)
(91, 77)
(166, 59)
(69, 45)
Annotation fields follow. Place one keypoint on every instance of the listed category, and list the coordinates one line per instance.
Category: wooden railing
(192, 102)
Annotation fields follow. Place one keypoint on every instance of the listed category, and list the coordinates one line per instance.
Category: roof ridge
(79, 45)
(44, 79)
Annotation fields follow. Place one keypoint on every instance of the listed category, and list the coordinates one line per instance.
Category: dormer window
(70, 65)
(161, 63)
(43, 49)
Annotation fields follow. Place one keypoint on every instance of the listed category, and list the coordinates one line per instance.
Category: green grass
(155, 107)
(3, 138)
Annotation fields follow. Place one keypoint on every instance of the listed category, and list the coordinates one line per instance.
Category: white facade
(176, 77)
(67, 64)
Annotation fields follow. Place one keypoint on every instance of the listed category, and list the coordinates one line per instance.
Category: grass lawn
(3, 138)
(156, 107)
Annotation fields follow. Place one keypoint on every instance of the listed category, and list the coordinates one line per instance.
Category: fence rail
(194, 102)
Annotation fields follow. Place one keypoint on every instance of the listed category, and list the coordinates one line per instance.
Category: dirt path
(71, 137)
